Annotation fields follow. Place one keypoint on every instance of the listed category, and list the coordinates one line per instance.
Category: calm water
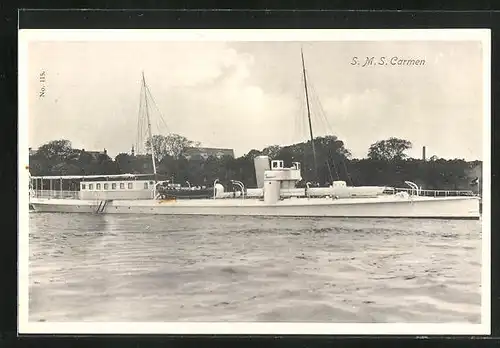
(164, 268)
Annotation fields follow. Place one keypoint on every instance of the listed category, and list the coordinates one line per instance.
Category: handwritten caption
(386, 61)
(42, 78)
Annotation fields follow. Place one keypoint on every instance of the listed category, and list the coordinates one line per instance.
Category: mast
(149, 124)
(309, 113)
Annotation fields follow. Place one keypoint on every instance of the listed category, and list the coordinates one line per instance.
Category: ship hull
(383, 207)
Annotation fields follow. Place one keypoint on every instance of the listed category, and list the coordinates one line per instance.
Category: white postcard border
(26, 36)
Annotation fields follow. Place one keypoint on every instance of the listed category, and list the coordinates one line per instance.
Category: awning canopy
(72, 177)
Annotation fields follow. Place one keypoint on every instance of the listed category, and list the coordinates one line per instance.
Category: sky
(249, 95)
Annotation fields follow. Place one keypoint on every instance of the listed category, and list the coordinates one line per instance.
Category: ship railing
(431, 193)
(55, 194)
(241, 186)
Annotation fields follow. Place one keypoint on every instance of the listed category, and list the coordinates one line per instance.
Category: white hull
(380, 207)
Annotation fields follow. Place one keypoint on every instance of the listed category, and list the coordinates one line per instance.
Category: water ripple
(164, 268)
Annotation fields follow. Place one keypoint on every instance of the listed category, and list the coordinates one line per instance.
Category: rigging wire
(329, 170)
(138, 144)
(335, 168)
(296, 134)
(157, 108)
(302, 121)
(349, 179)
(299, 124)
(321, 111)
(142, 119)
(321, 121)
(348, 176)
(325, 121)
(157, 124)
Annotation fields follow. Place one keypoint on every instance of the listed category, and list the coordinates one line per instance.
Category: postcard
(254, 181)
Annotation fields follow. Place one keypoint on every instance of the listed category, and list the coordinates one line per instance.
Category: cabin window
(105, 186)
(97, 186)
(130, 185)
(122, 185)
(275, 164)
(91, 186)
(113, 186)
(83, 186)
(146, 186)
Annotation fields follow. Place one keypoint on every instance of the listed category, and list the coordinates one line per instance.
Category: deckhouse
(94, 187)
(117, 189)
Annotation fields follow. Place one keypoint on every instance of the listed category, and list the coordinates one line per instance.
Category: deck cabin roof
(76, 177)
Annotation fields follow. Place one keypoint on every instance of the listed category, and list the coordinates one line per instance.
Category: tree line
(386, 164)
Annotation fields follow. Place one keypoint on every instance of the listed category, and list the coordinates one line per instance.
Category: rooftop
(205, 152)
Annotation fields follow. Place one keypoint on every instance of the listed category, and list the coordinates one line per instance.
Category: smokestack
(423, 153)
(261, 164)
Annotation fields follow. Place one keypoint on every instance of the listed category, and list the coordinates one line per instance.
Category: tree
(387, 164)
(105, 165)
(125, 163)
(389, 150)
(65, 169)
(272, 151)
(286, 155)
(167, 166)
(159, 146)
(252, 154)
(330, 145)
(173, 145)
(84, 159)
(177, 144)
(57, 150)
(38, 166)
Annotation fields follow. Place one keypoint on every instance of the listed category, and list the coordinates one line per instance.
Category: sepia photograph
(254, 181)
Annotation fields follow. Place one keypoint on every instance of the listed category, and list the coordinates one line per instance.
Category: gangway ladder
(102, 206)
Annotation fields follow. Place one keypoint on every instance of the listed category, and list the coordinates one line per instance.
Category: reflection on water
(173, 268)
